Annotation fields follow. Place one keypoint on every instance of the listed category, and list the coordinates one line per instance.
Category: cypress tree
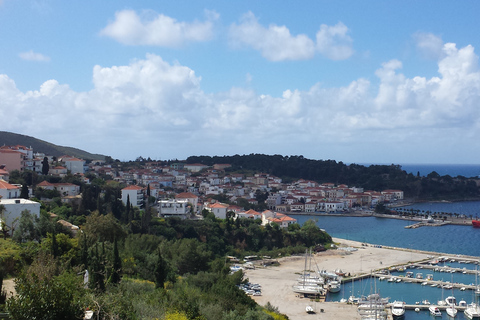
(117, 265)
(45, 166)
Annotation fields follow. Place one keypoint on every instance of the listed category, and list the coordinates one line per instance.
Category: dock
(426, 224)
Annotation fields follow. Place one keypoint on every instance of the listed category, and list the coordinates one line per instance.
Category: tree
(116, 266)
(45, 295)
(45, 166)
(24, 192)
(27, 228)
(161, 271)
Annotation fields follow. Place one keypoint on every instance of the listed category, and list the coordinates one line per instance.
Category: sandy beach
(277, 281)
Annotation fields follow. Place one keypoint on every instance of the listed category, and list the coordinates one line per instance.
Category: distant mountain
(9, 138)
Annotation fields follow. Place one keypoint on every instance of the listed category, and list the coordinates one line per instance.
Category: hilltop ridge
(10, 138)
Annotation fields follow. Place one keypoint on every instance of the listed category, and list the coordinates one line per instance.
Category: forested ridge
(373, 177)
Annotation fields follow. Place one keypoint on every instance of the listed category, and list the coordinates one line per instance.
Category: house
(15, 207)
(392, 195)
(134, 193)
(173, 208)
(189, 197)
(218, 209)
(269, 217)
(59, 171)
(65, 189)
(11, 159)
(74, 165)
(251, 214)
(9, 191)
(330, 206)
(297, 207)
(310, 206)
(4, 174)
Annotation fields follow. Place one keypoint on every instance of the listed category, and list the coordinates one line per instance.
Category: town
(180, 189)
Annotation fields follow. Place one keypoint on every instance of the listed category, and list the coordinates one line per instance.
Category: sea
(448, 239)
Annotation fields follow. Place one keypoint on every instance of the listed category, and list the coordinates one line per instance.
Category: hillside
(9, 138)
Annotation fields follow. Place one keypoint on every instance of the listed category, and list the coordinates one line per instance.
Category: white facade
(14, 208)
(75, 165)
(8, 191)
(134, 193)
(173, 208)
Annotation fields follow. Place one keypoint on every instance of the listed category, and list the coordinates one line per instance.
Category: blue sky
(352, 81)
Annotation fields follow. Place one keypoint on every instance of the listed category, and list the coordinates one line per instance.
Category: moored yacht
(434, 311)
(472, 311)
(333, 286)
(398, 309)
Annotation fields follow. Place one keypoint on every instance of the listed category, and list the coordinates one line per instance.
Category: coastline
(450, 220)
(277, 281)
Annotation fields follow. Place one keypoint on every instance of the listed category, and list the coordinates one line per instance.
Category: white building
(173, 208)
(218, 209)
(74, 165)
(14, 208)
(8, 191)
(134, 193)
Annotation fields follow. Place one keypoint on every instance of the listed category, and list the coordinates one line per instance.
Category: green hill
(9, 138)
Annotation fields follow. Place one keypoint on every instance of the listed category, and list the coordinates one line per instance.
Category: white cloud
(33, 56)
(152, 107)
(333, 42)
(275, 42)
(157, 29)
(429, 45)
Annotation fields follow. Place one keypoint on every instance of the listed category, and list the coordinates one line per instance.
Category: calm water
(391, 232)
(447, 239)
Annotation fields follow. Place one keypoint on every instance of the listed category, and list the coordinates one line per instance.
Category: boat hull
(476, 223)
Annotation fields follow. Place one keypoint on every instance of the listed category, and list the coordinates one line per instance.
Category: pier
(426, 224)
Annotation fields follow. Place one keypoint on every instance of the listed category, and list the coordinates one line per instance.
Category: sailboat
(451, 301)
(307, 288)
(472, 311)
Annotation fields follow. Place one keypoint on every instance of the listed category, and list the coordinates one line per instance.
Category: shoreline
(452, 220)
(277, 281)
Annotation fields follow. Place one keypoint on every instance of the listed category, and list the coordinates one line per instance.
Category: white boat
(472, 311)
(398, 309)
(451, 311)
(333, 286)
(434, 311)
(308, 290)
(451, 300)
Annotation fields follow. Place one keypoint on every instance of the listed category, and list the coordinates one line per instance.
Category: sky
(351, 81)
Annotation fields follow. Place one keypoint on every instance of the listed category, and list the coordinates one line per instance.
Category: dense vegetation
(374, 177)
(139, 266)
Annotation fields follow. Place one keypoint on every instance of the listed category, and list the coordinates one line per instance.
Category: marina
(452, 268)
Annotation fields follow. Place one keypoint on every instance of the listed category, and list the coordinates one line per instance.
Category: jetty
(426, 224)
